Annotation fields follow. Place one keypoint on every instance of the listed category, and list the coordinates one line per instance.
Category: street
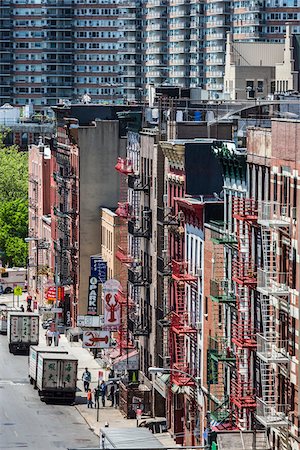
(26, 422)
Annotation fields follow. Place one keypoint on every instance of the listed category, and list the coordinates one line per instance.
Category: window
(260, 86)
(250, 88)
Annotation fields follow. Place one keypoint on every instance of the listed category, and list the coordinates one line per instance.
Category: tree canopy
(13, 204)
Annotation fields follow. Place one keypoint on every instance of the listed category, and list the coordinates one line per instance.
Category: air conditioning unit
(198, 326)
(76, 245)
(198, 271)
(224, 284)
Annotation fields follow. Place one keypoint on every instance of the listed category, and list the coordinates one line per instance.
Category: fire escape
(168, 222)
(183, 336)
(63, 216)
(139, 230)
(221, 358)
(242, 395)
(272, 343)
(125, 168)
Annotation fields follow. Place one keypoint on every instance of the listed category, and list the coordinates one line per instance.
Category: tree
(13, 204)
(13, 174)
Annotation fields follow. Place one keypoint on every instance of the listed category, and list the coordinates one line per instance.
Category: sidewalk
(107, 415)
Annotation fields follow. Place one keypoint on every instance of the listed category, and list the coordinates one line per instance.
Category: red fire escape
(124, 167)
(243, 331)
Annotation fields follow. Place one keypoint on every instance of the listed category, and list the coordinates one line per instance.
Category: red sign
(51, 293)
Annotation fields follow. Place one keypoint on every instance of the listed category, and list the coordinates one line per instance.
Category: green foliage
(13, 204)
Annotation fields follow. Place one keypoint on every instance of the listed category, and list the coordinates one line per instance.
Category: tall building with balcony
(247, 21)
(161, 43)
(53, 49)
(129, 48)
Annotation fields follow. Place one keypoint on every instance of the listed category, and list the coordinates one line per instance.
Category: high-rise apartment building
(162, 44)
(182, 43)
(52, 49)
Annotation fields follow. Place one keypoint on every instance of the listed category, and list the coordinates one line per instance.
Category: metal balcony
(219, 292)
(271, 350)
(276, 215)
(272, 283)
(180, 272)
(137, 184)
(139, 277)
(271, 415)
(220, 350)
(163, 267)
(167, 217)
(138, 232)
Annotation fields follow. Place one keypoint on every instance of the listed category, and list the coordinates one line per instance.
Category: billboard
(96, 339)
(111, 305)
(203, 171)
(99, 268)
(92, 305)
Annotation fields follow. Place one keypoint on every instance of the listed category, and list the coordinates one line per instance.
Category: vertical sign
(92, 296)
(111, 306)
(99, 268)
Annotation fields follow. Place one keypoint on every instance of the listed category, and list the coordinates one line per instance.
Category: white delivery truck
(22, 331)
(57, 377)
(4, 310)
(34, 352)
(12, 277)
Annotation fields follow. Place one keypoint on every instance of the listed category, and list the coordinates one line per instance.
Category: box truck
(4, 310)
(34, 352)
(22, 331)
(57, 377)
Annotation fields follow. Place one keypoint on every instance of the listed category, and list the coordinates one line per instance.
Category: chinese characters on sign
(111, 307)
(92, 296)
(98, 268)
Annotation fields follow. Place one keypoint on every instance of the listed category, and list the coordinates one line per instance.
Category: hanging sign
(92, 296)
(99, 268)
(111, 306)
(96, 339)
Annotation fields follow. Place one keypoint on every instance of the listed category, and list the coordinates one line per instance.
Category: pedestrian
(89, 399)
(56, 337)
(103, 390)
(117, 395)
(112, 395)
(22, 308)
(97, 396)
(49, 337)
(86, 377)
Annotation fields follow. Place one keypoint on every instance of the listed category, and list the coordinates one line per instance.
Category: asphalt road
(26, 422)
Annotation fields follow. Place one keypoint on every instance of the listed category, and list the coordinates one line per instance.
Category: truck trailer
(57, 377)
(34, 352)
(22, 331)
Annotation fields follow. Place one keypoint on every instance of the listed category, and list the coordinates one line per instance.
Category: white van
(12, 277)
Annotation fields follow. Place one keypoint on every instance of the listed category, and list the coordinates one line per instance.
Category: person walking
(97, 396)
(49, 337)
(56, 337)
(89, 398)
(117, 395)
(86, 377)
(103, 390)
(112, 395)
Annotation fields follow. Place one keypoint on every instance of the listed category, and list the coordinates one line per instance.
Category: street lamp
(197, 380)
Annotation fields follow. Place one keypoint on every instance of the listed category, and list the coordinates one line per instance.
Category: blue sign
(99, 268)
